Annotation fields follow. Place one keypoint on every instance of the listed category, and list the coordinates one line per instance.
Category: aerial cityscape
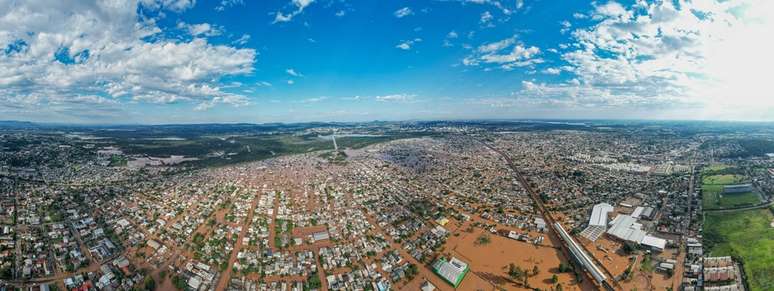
(299, 145)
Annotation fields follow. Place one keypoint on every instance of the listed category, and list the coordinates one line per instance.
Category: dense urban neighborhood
(468, 205)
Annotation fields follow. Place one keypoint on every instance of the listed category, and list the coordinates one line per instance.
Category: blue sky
(185, 61)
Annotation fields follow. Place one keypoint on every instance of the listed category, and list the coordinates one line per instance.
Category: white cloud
(495, 102)
(578, 15)
(293, 73)
(299, 5)
(341, 13)
(314, 99)
(715, 55)
(506, 54)
(552, 71)
(407, 44)
(201, 29)
(403, 12)
(402, 98)
(174, 5)
(566, 25)
(486, 18)
(506, 9)
(232, 99)
(291, 82)
(447, 41)
(100, 51)
(224, 4)
(242, 40)
(611, 9)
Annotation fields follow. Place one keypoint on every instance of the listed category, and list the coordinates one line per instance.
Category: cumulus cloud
(73, 51)
(173, 5)
(713, 54)
(505, 54)
(407, 44)
(403, 12)
(299, 6)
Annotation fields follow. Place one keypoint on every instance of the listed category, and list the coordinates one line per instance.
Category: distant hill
(17, 124)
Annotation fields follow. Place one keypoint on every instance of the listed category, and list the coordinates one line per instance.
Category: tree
(629, 248)
(515, 272)
(150, 284)
(554, 279)
(483, 239)
(564, 268)
(535, 270)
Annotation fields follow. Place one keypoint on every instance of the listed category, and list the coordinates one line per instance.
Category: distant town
(424, 205)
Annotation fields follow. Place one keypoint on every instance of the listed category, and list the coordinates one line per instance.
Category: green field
(723, 179)
(712, 190)
(747, 235)
(738, 199)
(715, 168)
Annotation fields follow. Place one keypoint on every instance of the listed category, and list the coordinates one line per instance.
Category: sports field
(747, 235)
(712, 191)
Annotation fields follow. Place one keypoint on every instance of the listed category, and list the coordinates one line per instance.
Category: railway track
(569, 247)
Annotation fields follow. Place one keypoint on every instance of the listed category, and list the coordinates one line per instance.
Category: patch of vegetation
(118, 161)
(483, 239)
(738, 199)
(756, 147)
(746, 236)
(726, 179)
(647, 264)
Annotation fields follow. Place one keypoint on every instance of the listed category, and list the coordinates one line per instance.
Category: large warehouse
(626, 228)
(597, 221)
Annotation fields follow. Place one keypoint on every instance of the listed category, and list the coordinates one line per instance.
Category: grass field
(712, 189)
(746, 235)
(715, 168)
(738, 199)
(723, 179)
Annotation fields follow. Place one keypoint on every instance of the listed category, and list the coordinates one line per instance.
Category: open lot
(489, 262)
(747, 235)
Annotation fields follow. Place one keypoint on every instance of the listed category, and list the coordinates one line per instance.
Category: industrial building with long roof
(597, 221)
(626, 228)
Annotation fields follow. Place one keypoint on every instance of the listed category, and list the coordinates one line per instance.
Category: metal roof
(599, 214)
(626, 228)
(655, 242)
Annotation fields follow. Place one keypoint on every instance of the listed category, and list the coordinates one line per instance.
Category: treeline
(756, 147)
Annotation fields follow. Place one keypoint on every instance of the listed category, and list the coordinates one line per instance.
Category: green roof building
(452, 271)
